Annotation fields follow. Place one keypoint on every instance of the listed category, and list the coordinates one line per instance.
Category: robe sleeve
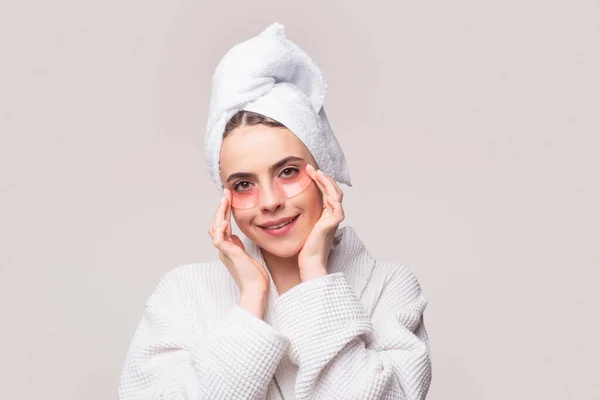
(169, 358)
(342, 353)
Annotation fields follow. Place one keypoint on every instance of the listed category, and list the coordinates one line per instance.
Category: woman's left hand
(312, 259)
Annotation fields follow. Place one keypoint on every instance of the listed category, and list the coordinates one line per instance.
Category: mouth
(281, 229)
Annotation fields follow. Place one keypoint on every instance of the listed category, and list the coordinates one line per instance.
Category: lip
(276, 222)
(283, 230)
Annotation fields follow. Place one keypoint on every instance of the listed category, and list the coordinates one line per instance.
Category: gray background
(470, 128)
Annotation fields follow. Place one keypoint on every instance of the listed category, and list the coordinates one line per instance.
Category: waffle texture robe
(356, 333)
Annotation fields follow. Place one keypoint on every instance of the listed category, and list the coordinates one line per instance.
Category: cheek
(242, 218)
(312, 203)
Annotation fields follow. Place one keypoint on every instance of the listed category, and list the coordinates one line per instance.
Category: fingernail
(320, 172)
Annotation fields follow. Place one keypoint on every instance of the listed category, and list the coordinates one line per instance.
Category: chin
(281, 250)
(280, 247)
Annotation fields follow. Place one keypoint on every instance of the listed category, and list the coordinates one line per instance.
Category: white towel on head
(270, 75)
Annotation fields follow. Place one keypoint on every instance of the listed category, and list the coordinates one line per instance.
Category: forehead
(254, 148)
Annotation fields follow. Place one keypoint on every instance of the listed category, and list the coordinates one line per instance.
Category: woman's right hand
(248, 274)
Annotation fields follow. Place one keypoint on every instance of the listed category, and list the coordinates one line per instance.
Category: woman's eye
(241, 186)
(289, 172)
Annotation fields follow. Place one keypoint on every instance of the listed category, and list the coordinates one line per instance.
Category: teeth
(280, 225)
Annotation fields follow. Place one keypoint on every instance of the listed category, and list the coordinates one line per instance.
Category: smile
(281, 229)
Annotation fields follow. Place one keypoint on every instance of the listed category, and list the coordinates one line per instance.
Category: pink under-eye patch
(288, 187)
(246, 198)
(295, 186)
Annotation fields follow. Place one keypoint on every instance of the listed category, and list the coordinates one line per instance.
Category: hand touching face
(314, 255)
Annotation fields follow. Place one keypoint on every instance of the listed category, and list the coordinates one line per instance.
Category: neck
(284, 271)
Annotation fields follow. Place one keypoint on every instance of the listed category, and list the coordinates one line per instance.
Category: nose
(270, 199)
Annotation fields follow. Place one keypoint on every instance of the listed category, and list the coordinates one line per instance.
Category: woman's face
(253, 150)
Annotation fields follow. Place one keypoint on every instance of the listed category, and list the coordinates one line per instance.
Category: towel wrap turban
(270, 75)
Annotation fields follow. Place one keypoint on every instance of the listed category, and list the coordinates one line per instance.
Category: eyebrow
(273, 167)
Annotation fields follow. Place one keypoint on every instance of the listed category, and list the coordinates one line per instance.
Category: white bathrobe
(356, 333)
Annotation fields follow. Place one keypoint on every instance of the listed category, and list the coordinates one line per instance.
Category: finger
(327, 182)
(211, 230)
(216, 221)
(336, 207)
(320, 178)
(333, 185)
(220, 235)
(312, 172)
(228, 212)
(336, 186)
(337, 211)
(220, 214)
(228, 245)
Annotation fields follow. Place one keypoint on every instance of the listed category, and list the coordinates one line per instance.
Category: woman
(299, 309)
